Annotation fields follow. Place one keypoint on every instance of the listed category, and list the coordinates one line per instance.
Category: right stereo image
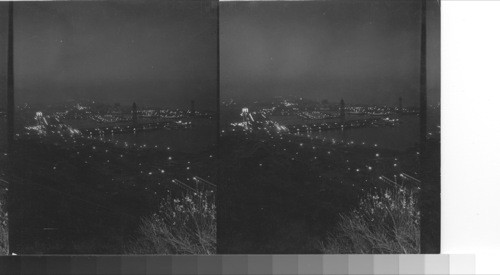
(329, 127)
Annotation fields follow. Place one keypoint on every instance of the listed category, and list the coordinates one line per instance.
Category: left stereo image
(111, 115)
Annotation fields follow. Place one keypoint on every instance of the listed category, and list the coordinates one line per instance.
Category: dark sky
(3, 54)
(362, 50)
(155, 53)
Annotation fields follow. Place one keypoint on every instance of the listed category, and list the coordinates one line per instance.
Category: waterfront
(303, 164)
(401, 137)
(96, 190)
(199, 137)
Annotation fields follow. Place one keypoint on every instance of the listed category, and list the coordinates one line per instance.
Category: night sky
(364, 51)
(166, 53)
(154, 53)
(3, 54)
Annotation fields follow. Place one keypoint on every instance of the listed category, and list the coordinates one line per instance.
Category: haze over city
(162, 53)
(363, 51)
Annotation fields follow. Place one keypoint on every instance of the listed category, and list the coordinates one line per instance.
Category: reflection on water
(201, 136)
(88, 197)
(399, 137)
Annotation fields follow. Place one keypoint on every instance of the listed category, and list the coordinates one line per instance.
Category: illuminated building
(247, 118)
(40, 119)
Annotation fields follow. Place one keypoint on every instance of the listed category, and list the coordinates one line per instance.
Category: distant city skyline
(395, 102)
(141, 104)
(155, 53)
(99, 57)
(367, 52)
